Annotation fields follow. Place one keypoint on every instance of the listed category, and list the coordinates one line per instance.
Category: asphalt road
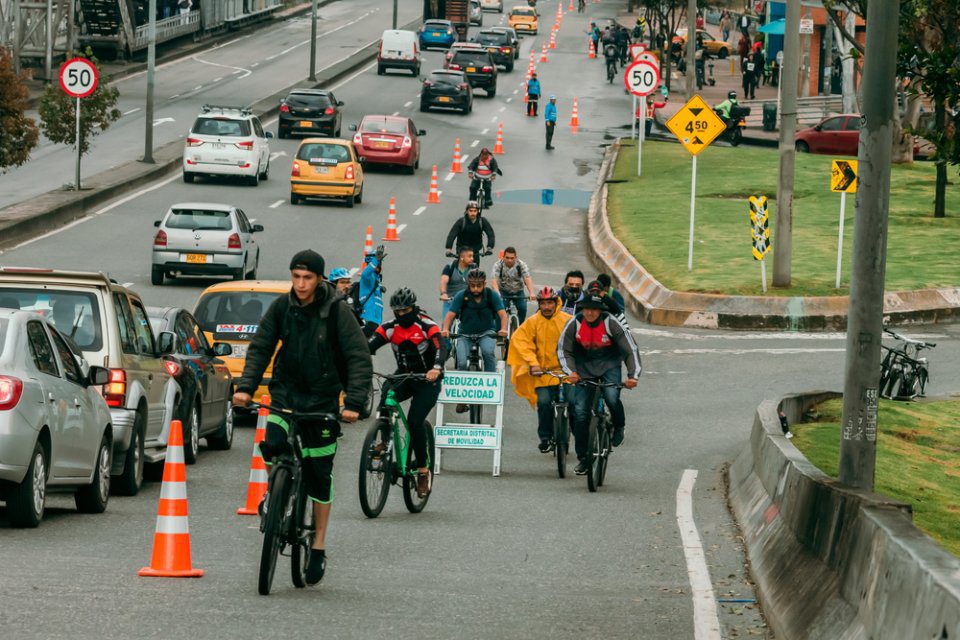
(525, 555)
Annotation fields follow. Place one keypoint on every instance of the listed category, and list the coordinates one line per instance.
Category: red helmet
(547, 293)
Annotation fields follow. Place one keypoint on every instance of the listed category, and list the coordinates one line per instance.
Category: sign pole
(641, 136)
(763, 275)
(78, 144)
(843, 206)
(633, 119)
(693, 193)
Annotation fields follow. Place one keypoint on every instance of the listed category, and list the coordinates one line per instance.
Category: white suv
(227, 141)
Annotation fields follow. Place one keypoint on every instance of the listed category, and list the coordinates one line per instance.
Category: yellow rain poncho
(535, 343)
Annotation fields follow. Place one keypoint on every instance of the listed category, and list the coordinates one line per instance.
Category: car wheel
(223, 438)
(254, 180)
(156, 276)
(191, 434)
(239, 273)
(416, 71)
(509, 67)
(188, 177)
(350, 201)
(492, 91)
(129, 482)
(27, 500)
(294, 198)
(282, 133)
(337, 133)
(424, 107)
(723, 53)
(416, 165)
(93, 498)
(379, 70)
(802, 147)
(252, 275)
(266, 172)
(359, 197)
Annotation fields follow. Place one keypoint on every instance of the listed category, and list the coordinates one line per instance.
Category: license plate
(217, 145)
(305, 124)
(239, 350)
(444, 99)
(492, 50)
(197, 258)
(382, 145)
(322, 169)
(471, 69)
(436, 34)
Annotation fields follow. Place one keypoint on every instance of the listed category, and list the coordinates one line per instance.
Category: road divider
(257, 484)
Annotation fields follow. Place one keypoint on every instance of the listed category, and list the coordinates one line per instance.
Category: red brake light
(296, 169)
(329, 111)
(10, 391)
(172, 367)
(488, 68)
(284, 108)
(233, 242)
(427, 83)
(455, 67)
(160, 240)
(504, 49)
(407, 142)
(194, 142)
(246, 146)
(115, 391)
(349, 174)
(357, 139)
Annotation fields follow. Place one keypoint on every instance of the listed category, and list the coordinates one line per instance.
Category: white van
(399, 50)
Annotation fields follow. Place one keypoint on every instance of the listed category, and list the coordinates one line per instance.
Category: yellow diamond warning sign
(843, 176)
(696, 125)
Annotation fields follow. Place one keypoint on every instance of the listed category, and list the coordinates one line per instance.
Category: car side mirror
(269, 134)
(340, 103)
(167, 342)
(97, 376)
(818, 128)
(156, 223)
(222, 349)
(352, 127)
(257, 228)
(422, 132)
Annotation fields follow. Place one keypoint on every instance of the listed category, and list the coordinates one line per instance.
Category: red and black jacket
(417, 348)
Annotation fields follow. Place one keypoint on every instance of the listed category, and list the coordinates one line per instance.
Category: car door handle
(50, 396)
(76, 401)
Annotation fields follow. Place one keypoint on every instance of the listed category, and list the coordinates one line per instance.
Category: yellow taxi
(523, 20)
(326, 168)
(231, 312)
(716, 48)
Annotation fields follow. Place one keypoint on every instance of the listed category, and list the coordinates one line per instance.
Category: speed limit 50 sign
(641, 78)
(78, 77)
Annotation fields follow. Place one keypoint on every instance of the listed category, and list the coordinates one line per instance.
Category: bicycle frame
(398, 418)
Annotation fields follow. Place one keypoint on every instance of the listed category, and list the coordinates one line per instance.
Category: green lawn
(918, 459)
(651, 216)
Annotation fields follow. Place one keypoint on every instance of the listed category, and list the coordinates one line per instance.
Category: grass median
(918, 458)
(651, 217)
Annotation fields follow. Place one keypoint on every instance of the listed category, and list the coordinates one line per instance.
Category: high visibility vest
(483, 170)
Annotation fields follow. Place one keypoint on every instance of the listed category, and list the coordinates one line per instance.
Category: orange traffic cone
(456, 167)
(434, 196)
(553, 39)
(593, 52)
(543, 52)
(257, 485)
(498, 147)
(574, 117)
(570, 6)
(392, 222)
(171, 540)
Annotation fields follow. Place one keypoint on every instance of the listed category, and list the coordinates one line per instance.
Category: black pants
(488, 197)
(319, 442)
(424, 397)
(550, 127)
(533, 102)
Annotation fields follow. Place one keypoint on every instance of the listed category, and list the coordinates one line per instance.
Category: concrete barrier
(831, 562)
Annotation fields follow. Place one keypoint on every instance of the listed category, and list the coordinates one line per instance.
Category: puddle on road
(570, 198)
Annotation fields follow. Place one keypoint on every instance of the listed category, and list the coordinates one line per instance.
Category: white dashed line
(509, 100)
(218, 79)
(126, 113)
(400, 228)
(277, 204)
(502, 109)
(270, 58)
(246, 72)
(176, 95)
(474, 143)
(254, 65)
(485, 131)
(493, 119)
(450, 176)
(236, 72)
(198, 87)
(706, 625)
(516, 91)
(419, 211)
(396, 113)
(407, 104)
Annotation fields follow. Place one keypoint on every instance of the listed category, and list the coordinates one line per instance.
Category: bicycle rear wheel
(604, 438)
(593, 456)
(273, 528)
(561, 440)
(476, 410)
(375, 472)
(414, 502)
(303, 530)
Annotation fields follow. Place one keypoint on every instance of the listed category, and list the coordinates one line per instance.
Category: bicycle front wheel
(411, 498)
(561, 441)
(375, 471)
(273, 528)
(303, 530)
(593, 456)
(604, 437)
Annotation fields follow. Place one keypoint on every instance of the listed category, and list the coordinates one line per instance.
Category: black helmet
(477, 274)
(403, 298)
(732, 96)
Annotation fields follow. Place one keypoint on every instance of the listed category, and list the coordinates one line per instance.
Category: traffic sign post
(696, 126)
(473, 387)
(78, 79)
(760, 234)
(641, 79)
(843, 179)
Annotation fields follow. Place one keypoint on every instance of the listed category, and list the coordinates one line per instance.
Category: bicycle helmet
(339, 274)
(477, 274)
(472, 204)
(547, 293)
(403, 298)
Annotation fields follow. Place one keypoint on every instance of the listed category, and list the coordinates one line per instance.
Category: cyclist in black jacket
(469, 231)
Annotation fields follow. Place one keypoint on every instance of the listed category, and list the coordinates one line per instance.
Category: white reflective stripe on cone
(175, 454)
(173, 491)
(258, 476)
(172, 524)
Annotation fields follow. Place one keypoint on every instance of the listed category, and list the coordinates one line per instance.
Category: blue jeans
(582, 409)
(519, 300)
(488, 346)
(546, 396)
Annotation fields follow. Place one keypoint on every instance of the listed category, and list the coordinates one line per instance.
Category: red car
(392, 140)
(836, 135)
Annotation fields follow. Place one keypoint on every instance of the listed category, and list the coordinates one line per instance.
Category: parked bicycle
(904, 373)
(561, 424)
(386, 459)
(599, 434)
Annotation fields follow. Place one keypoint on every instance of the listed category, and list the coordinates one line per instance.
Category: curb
(830, 561)
(656, 304)
(22, 221)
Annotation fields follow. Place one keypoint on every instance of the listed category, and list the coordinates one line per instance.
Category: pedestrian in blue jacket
(533, 95)
(371, 291)
(550, 119)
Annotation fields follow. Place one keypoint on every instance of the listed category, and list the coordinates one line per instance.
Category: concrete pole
(805, 67)
(783, 230)
(151, 67)
(313, 40)
(48, 49)
(828, 61)
(394, 14)
(849, 87)
(691, 47)
(858, 444)
(16, 36)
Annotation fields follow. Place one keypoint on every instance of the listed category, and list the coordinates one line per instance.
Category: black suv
(499, 45)
(479, 67)
(310, 111)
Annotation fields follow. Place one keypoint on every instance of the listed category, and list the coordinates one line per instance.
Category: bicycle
(288, 519)
(561, 424)
(513, 323)
(481, 195)
(384, 462)
(904, 373)
(599, 434)
(474, 363)
(611, 69)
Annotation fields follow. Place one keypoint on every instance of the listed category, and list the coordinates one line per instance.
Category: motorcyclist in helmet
(723, 109)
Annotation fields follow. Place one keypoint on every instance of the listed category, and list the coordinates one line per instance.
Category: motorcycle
(736, 123)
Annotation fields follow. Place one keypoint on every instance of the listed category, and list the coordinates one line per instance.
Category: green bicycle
(385, 461)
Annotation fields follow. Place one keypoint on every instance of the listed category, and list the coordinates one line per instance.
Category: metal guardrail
(810, 110)
(167, 29)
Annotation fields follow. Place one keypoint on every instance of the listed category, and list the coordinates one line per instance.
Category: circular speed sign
(78, 77)
(641, 78)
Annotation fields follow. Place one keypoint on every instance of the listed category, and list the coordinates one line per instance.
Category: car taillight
(504, 49)
(284, 108)
(357, 140)
(233, 242)
(407, 142)
(349, 175)
(486, 69)
(246, 146)
(160, 240)
(172, 367)
(194, 142)
(427, 83)
(10, 391)
(455, 67)
(329, 111)
(296, 169)
(115, 391)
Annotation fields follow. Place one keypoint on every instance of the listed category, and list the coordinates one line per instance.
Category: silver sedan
(54, 425)
(201, 238)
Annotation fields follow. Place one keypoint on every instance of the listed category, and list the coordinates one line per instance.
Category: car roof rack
(211, 107)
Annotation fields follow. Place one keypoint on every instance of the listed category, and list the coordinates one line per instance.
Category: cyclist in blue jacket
(371, 291)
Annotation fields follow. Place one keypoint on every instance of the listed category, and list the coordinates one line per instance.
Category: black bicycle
(513, 323)
(482, 190)
(287, 519)
(474, 363)
(904, 373)
(561, 424)
(599, 434)
(611, 69)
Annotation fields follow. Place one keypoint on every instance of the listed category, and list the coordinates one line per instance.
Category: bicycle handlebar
(471, 336)
(298, 415)
(401, 376)
(919, 343)
(594, 383)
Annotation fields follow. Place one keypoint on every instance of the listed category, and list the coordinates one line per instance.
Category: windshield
(233, 315)
(435, 25)
(524, 11)
(323, 151)
(309, 100)
(75, 314)
(223, 127)
(383, 125)
(492, 38)
(446, 78)
(199, 220)
(477, 59)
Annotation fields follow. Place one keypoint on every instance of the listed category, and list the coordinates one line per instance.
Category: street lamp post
(313, 40)
(151, 64)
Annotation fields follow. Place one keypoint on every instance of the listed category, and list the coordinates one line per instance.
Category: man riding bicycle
(510, 277)
(484, 167)
(592, 346)
(323, 352)
(533, 350)
(469, 231)
(417, 347)
(572, 291)
(611, 53)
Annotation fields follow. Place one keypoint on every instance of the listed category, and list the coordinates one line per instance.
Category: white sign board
(806, 26)
(78, 77)
(641, 78)
(472, 387)
(467, 437)
(477, 388)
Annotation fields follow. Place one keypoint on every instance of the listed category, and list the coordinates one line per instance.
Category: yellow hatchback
(523, 20)
(326, 168)
(231, 312)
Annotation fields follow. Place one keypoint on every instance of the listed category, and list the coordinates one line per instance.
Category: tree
(18, 133)
(58, 110)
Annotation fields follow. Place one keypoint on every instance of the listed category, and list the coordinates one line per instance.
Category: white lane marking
(450, 176)
(277, 154)
(502, 109)
(740, 352)
(270, 58)
(277, 204)
(396, 113)
(401, 227)
(246, 72)
(254, 65)
(706, 624)
(325, 33)
(493, 119)
(419, 211)
(464, 158)
(516, 91)
(509, 100)
(218, 79)
(484, 132)
(198, 87)
(236, 72)
(159, 121)
(474, 143)
(126, 113)
(407, 103)
(176, 95)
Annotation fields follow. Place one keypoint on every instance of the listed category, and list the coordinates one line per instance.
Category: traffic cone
(392, 222)
(574, 118)
(593, 52)
(171, 540)
(498, 147)
(570, 6)
(553, 39)
(456, 167)
(257, 485)
(434, 196)
(543, 52)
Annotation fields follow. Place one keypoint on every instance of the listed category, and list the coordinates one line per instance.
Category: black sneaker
(545, 446)
(316, 566)
(617, 438)
(581, 468)
(462, 408)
